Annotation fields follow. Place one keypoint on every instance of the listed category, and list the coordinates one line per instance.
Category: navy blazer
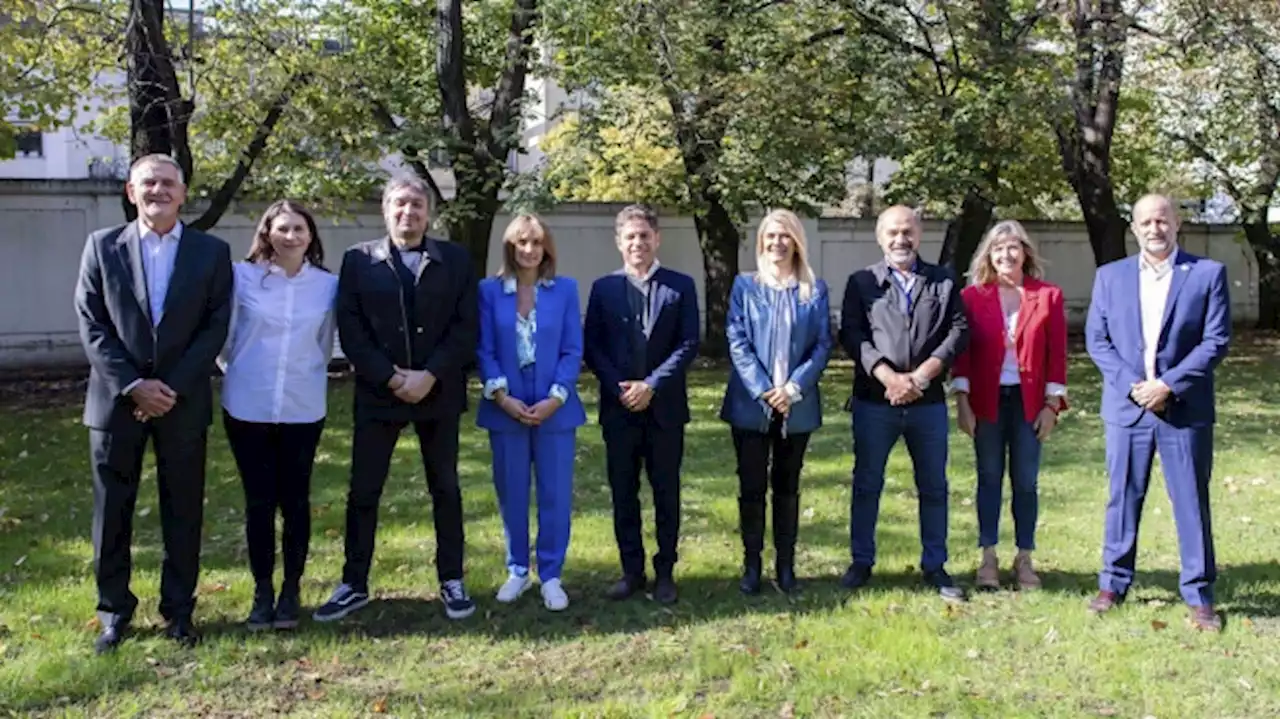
(672, 345)
(557, 352)
(750, 335)
(1193, 339)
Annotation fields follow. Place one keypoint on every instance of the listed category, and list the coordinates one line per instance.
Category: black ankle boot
(263, 612)
(751, 517)
(786, 520)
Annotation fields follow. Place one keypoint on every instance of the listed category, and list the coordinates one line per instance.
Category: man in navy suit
(1158, 326)
(641, 336)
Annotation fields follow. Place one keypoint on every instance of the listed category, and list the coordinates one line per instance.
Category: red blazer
(1040, 341)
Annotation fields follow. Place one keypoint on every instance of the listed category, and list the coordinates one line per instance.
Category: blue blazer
(672, 345)
(558, 352)
(1196, 330)
(750, 334)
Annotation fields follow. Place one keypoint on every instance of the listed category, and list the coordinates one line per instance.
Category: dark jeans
(371, 451)
(628, 446)
(275, 462)
(180, 471)
(876, 429)
(1010, 433)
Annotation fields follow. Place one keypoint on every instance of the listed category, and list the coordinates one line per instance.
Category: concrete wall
(43, 226)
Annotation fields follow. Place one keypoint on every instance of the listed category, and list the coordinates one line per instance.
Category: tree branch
(505, 117)
(409, 151)
(222, 198)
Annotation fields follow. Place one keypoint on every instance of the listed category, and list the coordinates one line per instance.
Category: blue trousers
(1186, 458)
(517, 458)
(1010, 435)
(876, 429)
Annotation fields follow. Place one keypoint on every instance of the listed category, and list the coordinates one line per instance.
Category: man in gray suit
(153, 302)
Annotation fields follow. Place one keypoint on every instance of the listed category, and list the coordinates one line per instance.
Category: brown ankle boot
(1026, 575)
(988, 576)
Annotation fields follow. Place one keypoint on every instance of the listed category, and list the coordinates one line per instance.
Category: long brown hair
(982, 271)
(524, 226)
(261, 249)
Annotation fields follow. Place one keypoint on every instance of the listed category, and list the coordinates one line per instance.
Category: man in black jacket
(408, 322)
(903, 324)
(153, 302)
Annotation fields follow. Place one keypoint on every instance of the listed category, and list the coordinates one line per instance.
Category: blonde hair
(799, 261)
(982, 272)
(520, 227)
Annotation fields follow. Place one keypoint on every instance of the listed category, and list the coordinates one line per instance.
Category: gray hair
(636, 212)
(157, 158)
(406, 181)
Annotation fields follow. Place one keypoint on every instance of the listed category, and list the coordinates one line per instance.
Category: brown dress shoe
(1105, 602)
(1205, 618)
(1028, 580)
(987, 577)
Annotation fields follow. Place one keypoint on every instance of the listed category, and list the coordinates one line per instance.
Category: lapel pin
(1185, 267)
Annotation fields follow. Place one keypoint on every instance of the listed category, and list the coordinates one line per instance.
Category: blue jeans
(1010, 433)
(876, 429)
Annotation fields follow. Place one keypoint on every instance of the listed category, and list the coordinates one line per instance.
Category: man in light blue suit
(529, 356)
(1158, 326)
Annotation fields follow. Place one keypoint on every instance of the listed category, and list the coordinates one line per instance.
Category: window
(30, 144)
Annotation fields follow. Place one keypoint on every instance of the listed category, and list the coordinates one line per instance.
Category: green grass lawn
(890, 650)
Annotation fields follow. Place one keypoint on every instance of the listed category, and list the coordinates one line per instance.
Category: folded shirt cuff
(1053, 389)
(129, 388)
(559, 392)
(492, 386)
(960, 384)
(793, 392)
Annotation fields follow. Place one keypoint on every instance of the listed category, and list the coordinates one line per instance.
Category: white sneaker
(553, 596)
(514, 587)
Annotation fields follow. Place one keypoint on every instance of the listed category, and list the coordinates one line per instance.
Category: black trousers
(371, 451)
(755, 475)
(180, 471)
(275, 462)
(628, 447)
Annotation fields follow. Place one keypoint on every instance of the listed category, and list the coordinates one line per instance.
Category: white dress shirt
(159, 252)
(278, 349)
(1154, 281)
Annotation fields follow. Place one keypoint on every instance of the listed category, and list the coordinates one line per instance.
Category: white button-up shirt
(1153, 293)
(278, 349)
(159, 252)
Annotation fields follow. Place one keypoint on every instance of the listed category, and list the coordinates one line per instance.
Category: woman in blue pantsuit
(529, 355)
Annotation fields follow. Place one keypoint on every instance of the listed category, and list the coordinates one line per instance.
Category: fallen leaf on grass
(788, 711)
(93, 624)
(380, 706)
(802, 644)
(1244, 683)
(213, 588)
(1157, 625)
(316, 695)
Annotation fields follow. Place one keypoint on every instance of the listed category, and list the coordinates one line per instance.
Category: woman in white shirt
(273, 396)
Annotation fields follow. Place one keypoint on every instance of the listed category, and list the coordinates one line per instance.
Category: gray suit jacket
(118, 336)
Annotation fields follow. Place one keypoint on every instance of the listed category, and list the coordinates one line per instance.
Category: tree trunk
(158, 115)
(964, 232)
(719, 240)
(1101, 216)
(1266, 250)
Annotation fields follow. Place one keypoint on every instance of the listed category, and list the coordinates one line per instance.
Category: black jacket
(380, 330)
(118, 336)
(874, 328)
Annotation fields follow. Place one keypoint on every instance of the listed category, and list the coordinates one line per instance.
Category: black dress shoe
(110, 638)
(288, 609)
(856, 576)
(946, 586)
(786, 578)
(625, 588)
(664, 591)
(183, 632)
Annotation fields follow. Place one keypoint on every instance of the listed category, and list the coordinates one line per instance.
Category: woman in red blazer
(1010, 384)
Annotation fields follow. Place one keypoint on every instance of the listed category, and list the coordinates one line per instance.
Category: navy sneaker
(345, 600)
(457, 603)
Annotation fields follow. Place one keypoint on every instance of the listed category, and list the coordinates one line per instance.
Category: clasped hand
(779, 400)
(901, 389)
(152, 398)
(1151, 395)
(636, 395)
(526, 415)
(411, 386)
